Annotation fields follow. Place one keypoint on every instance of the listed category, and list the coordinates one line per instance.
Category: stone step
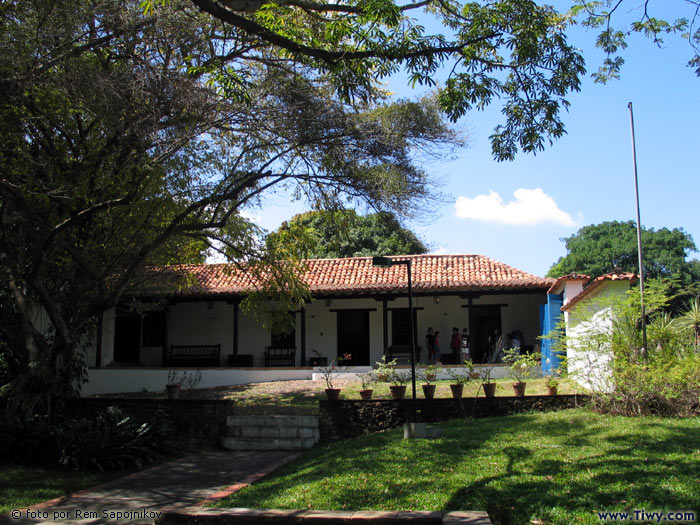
(273, 421)
(240, 443)
(270, 432)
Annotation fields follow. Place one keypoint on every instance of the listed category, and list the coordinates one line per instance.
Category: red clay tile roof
(596, 283)
(570, 277)
(356, 275)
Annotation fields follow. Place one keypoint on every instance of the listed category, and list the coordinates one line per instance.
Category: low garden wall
(197, 423)
(354, 417)
(121, 380)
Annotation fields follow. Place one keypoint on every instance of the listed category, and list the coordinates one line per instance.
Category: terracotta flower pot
(173, 391)
(489, 389)
(457, 391)
(551, 391)
(333, 394)
(398, 391)
(429, 391)
(519, 388)
(366, 394)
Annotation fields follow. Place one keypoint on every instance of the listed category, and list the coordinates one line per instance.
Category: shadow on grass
(621, 471)
(557, 468)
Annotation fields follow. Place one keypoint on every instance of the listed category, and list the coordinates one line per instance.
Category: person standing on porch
(436, 350)
(455, 343)
(430, 344)
(464, 345)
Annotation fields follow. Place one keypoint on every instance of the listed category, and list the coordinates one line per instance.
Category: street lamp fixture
(386, 262)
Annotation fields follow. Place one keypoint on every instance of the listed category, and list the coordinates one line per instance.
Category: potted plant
(552, 385)
(429, 374)
(173, 385)
(328, 373)
(385, 369)
(398, 384)
(367, 380)
(487, 385)
(460, 379)
(344, 360)
(520, 366)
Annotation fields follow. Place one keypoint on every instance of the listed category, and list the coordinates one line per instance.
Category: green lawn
(556, 467)
(22, 486)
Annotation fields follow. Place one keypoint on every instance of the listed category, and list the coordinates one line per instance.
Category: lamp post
(386, 262)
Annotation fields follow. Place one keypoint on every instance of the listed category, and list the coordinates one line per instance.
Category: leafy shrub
(112, 441)
(108, 441)
(32, 443)
(662, 379)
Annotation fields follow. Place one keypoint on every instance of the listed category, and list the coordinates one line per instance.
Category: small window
(280, 340)
(154, 329)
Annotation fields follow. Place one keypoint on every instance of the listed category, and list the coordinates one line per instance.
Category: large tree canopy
(612, 246)
(134, 134)
(514, 52)
(344, 233)
(119, 149)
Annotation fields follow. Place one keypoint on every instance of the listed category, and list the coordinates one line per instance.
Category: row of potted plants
(520, 366)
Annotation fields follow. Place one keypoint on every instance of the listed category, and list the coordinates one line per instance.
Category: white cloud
(440, 251)
(530, 207)
(257, 219)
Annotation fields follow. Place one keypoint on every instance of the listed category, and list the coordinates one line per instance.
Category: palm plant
(663, 333)
(690, 320)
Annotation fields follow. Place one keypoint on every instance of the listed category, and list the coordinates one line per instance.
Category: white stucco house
(356, 309)
(588, 314)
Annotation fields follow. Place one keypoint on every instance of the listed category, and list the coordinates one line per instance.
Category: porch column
(302, 320)
(385, 327)
(98, 348)
(470, 320)
(235, 328)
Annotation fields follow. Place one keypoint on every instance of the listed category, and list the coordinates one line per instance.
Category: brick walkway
(141, 496)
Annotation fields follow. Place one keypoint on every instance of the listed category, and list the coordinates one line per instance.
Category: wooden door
(353, 335)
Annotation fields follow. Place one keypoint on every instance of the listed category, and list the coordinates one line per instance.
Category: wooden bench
(399, 352)
(280, 356)
(192, 355)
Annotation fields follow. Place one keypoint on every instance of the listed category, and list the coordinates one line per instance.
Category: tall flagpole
(639, 238)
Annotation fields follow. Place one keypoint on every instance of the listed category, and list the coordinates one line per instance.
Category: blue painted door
(550, 316)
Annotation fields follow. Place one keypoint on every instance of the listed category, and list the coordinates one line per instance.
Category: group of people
(459, 346)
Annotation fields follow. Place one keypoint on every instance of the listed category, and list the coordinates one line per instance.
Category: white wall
(197, 323)
(589, 326)
(119, 380)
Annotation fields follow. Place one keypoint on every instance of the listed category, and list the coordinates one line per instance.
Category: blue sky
(516, 212)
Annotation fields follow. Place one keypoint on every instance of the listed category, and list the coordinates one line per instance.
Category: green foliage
(690, 320)
(112, 441)
(388, 371)
(107, 441)
(343, 233)
(519, 364)
(462, 376)
(612, 246)
(131, 139)
(428, 374)
(508, 50)
(604, 349)
(609, 16)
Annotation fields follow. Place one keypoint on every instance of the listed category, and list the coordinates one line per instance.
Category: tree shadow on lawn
(628, 475)
(516, 468)
(383, 472)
